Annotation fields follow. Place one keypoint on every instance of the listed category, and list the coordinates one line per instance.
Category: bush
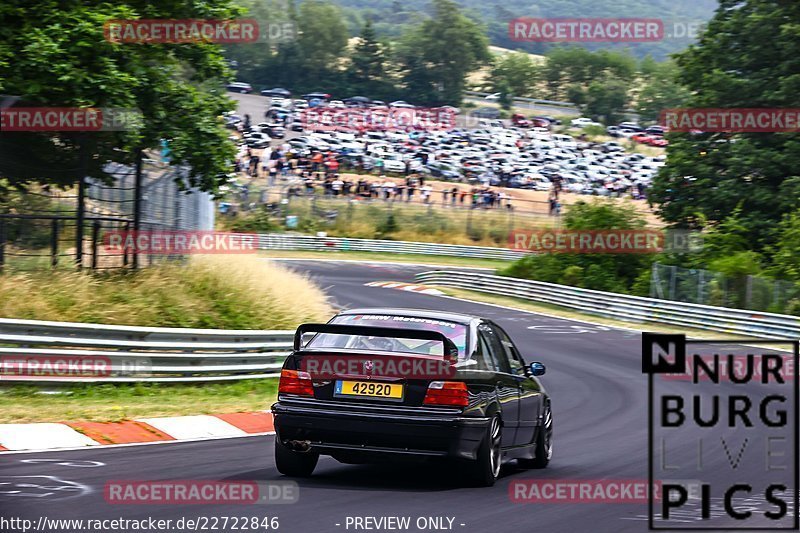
(605, 272)
(256, 222)
(594, 131)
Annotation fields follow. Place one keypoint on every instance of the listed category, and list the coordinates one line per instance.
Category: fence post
(95, 236)
(125, 248)
(137, 204)
(54, 244)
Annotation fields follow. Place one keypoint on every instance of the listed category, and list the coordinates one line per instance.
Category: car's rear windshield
(452, 330)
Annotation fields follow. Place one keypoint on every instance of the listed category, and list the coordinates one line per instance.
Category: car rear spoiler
(374, 331)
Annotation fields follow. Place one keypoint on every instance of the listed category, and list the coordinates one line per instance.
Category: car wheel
(243, 91)
(544, 444)
(486, 469)
(292, 463)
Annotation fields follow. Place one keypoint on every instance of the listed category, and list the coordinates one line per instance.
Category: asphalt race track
(600, 410)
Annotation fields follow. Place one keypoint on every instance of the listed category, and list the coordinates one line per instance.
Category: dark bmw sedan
(396, 384)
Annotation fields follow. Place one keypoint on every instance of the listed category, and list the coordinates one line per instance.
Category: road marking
(12, 487)
(566, 329)
(65, 462)
(193, 427)
(43, 436)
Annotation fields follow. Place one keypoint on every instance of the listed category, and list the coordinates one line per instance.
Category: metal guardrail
(624, 307)
(533, 101)
(37, 351)
(279, 241)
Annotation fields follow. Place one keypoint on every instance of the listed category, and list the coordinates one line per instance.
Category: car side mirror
(537, 369)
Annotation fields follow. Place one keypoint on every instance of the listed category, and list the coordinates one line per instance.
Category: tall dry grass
(225, 292)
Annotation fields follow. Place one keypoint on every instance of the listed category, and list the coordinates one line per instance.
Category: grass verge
(219, 292)
(110, 403)
(433, 260)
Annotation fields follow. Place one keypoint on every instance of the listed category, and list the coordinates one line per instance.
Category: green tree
(661, 90)
(785, 252)
(749, 57)
(450, 46)
(322, 43)
(607, 99)
(516, 72)
(568, 66)
(58, 56)
(367, 70)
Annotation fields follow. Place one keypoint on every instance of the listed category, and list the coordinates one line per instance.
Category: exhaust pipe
(299, 445)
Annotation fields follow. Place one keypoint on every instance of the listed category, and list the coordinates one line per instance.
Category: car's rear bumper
(333, 430)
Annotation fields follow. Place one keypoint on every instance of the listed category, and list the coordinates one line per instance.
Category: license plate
(369, 388)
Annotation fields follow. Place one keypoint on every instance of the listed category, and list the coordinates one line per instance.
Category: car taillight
(447, 393)
(295, 382)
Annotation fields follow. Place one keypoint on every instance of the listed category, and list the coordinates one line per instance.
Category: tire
(294, 464)
(544, 444)
(485, 470)
(243, 91)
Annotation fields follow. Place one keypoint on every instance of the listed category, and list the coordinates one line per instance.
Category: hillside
(390, 16)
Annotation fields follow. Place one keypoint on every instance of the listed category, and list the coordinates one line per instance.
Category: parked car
(631, 126)
(520, 121)
(486, 112)
(277, 91)
(239, 87)
(317, 96)
(582, 122)
(276, 131)
(552, 120)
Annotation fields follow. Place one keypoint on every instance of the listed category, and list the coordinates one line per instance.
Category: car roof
(458, 318)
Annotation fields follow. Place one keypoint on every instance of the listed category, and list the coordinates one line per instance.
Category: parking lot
(479, 152)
